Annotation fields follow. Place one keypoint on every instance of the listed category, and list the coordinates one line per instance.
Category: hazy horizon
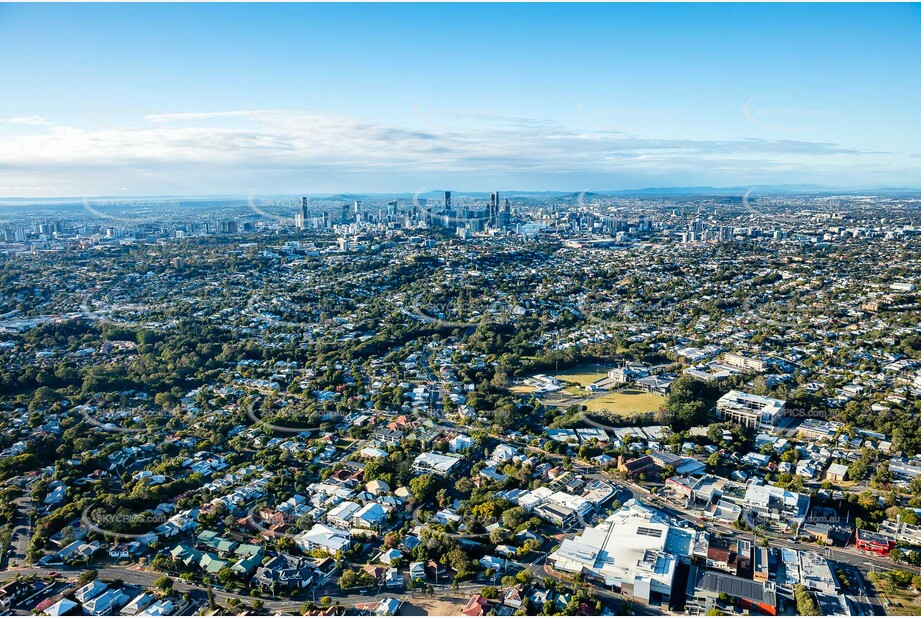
(697, 191)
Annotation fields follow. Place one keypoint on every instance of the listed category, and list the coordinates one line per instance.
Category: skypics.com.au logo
(458, 312)
(285, 210)
(128, 211)
(100, 310)
(145, 420)
(279, 209)
(322, 420)
(764, 208)
(785, 119)
(123, 524)
(613, 314)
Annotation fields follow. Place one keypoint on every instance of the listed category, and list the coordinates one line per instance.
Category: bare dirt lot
(444, 605)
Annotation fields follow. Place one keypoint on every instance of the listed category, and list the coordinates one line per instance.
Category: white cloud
(180, 116)
(38, 121)
(214, 151)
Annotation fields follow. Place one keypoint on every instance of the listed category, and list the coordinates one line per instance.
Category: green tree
(423, 487)
(805, 604)
(87, 576)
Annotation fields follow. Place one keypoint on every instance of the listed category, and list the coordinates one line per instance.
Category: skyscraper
(494, 209)
(447, 200)
(505, 217)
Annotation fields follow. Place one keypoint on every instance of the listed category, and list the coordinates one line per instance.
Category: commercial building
(558, 514)
(371, 515)
(636, 549)
(341, 515)
(323, 537)
(708, 590)
(745, 363)
(750, 410)
(761, 566)
(433, 462)
(873, 542)
(816, 573)
(776, 503)
(834, 605)
(836, 473)
(561, 508)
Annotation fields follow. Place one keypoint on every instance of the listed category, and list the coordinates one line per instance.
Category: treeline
(179, 358)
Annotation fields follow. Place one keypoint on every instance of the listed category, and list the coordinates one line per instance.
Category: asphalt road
(22, 531)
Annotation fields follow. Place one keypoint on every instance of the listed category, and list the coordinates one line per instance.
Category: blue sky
(199, 99)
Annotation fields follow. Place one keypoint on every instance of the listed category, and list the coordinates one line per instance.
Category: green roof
(223, 545)
(246, 565)
(212, 564)
(247, 549)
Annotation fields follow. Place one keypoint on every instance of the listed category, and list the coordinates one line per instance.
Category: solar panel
(653, 532)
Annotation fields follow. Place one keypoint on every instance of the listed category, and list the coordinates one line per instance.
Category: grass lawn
(625, 402)
(900, 607)
(583, 375)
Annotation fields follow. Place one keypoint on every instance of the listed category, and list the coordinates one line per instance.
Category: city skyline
(205, 100)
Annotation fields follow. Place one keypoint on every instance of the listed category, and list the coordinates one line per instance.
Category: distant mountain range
(439, 194)
(647, 192)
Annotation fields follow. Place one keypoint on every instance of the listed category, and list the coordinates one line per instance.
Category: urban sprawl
(469, 404)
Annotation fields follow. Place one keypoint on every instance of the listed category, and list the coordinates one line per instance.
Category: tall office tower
(299, 220)
(505, 217)
(447, 200)
(356, 209)
(305, 208)
(344, 215)
(493, 208)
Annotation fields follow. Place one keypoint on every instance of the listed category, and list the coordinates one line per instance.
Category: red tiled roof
(476, 606)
